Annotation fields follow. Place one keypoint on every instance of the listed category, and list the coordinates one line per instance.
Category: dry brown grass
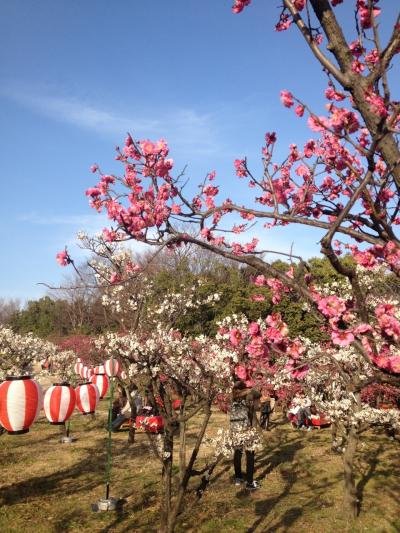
(47, 487)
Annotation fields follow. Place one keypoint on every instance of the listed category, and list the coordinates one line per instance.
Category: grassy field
(49, 487)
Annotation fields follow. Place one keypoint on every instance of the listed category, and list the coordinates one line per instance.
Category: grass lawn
(49, 487)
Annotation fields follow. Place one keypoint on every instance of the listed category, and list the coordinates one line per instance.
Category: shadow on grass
(372, 462)
(296, 472)
(382, 466)
(281, 453)
(81, 476)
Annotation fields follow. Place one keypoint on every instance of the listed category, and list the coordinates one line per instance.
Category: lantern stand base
(67, 440)
(18, 432)
(107, 504)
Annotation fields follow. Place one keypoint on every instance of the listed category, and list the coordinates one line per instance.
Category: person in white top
(128, 410)
(300, 407)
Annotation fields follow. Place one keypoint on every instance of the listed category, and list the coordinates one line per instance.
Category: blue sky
(77, 75)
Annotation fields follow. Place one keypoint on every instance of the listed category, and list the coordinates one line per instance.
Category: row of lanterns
(21, 398)
(112, 367)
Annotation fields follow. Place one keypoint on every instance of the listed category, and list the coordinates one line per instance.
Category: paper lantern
(152, 424)
(59, 402)
(176, 404)
(20, 402)
(99, 369)
(123, 374)
(78, 367)
(87, 398)
(86, 373)
(112, 367)
(101, 381)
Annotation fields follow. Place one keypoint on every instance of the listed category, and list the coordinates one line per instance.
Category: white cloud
(72, 224)
(82, 221)
(185, 129)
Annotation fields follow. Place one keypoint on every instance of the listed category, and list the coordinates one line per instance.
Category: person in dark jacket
(267, 406)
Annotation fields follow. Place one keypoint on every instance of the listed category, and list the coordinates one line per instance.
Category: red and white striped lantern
(78, 367)
(101, 381)
(90, 372)
(99, 369)
(112, 367)
(21, 399)
(87, 398)
(86, 372)
(59, 402)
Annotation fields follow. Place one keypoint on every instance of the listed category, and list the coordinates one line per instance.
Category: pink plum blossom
(342, 337)
(239, 5)
(254, 328)
(235, 336)
(332, 306)
(287, 98)
(63, 258)
(257, 297)
(241, 372)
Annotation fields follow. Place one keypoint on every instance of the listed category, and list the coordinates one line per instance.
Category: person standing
(267, 406)
(241, 423)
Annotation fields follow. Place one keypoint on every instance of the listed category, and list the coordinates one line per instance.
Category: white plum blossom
(192, 361)
(20, 353)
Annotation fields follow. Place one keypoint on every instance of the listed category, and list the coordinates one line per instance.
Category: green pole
(109, 439)
(68, 427)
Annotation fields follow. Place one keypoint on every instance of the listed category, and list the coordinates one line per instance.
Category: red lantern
(59, 403)
(90, 373)
(20, 402)
(87, 398)
(112, 367)
(101, 381)
(78, 367)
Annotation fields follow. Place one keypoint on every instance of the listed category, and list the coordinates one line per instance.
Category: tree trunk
(336, 443)
(188, 473)
(167, 480)
(182, 451)
(131, 434)
(350, 492)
